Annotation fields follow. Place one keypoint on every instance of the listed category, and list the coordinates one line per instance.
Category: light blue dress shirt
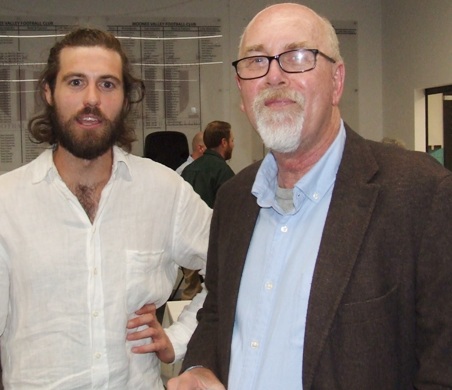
(268, 337)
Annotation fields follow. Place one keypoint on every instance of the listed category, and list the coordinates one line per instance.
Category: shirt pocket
(144, 278)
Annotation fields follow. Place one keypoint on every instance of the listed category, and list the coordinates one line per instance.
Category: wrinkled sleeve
(181, 331)
(203, 348)
(190, 242)
(191, 229)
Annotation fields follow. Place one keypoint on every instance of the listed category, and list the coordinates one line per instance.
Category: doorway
(439, 124)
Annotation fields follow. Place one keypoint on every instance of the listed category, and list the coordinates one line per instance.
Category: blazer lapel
(348, 217)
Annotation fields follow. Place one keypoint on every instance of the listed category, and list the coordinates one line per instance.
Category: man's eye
(293, 57)
(259, 60)
(75, 82)
(108, 85)
(255, 61)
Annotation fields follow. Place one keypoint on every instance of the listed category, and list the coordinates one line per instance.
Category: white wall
(235, 14)
(417, 54)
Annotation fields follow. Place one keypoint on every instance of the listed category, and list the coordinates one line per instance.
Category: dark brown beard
(89, 146)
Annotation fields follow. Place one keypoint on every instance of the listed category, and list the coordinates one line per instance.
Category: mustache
(89, 110)
(280, 93)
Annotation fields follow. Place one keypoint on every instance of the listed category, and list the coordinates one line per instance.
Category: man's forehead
(95, 51)
(282, 45)
(91, 59)
(285, 32)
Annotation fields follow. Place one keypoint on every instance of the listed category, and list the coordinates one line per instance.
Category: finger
(145, 319)
(157, 347)
(148, 308)
(141, 349)
(143, 334)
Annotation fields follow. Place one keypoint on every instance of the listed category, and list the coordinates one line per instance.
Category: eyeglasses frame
(277, 56)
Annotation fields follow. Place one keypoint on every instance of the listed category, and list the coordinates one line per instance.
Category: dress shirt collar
(313, 186)
(45, 169)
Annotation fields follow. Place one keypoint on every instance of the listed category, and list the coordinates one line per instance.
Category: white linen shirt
(69, 286)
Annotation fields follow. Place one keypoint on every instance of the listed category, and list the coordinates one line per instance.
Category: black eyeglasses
(292, 61)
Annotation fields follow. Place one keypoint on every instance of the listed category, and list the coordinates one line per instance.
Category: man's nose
(275, 74)
(92, 96)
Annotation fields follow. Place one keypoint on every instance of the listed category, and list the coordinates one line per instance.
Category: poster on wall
(174, 58)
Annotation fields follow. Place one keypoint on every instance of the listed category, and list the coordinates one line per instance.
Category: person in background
(329, 262)
(91, 237)
(208, 173)
(197, 147)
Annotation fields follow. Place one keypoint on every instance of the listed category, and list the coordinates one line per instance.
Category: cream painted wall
(235, 14)
(435, 119)
(417, 54)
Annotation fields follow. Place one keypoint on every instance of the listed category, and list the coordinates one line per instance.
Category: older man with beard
(330, 262)
(92, 237)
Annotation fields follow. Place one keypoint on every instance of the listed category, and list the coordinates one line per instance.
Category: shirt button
(284, 229)
(316, 195)
(268, 285)
(97, 355)
(95, 313)
(254, 344)
(95, 271)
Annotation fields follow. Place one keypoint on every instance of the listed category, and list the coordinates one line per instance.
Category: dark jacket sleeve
(232, 226)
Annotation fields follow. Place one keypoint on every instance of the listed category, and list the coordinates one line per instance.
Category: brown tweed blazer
(380, 310)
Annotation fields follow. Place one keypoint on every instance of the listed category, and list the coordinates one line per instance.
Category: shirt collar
(313, 186)
(44, 168)
(121, 164)
(213, 153)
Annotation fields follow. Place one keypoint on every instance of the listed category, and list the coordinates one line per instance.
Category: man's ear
(238, 82)
(126, 104)
(242, 106)
(338, 80)
(48, 94)
(239, 86)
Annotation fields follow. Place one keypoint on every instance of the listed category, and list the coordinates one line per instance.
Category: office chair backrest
(169, 148)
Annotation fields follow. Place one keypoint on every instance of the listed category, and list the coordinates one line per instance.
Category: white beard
(281, 131)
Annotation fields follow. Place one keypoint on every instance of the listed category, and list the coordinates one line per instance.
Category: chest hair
(89, 198)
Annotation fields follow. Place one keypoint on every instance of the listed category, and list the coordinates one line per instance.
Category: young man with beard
(339, 276)
(90, 234)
